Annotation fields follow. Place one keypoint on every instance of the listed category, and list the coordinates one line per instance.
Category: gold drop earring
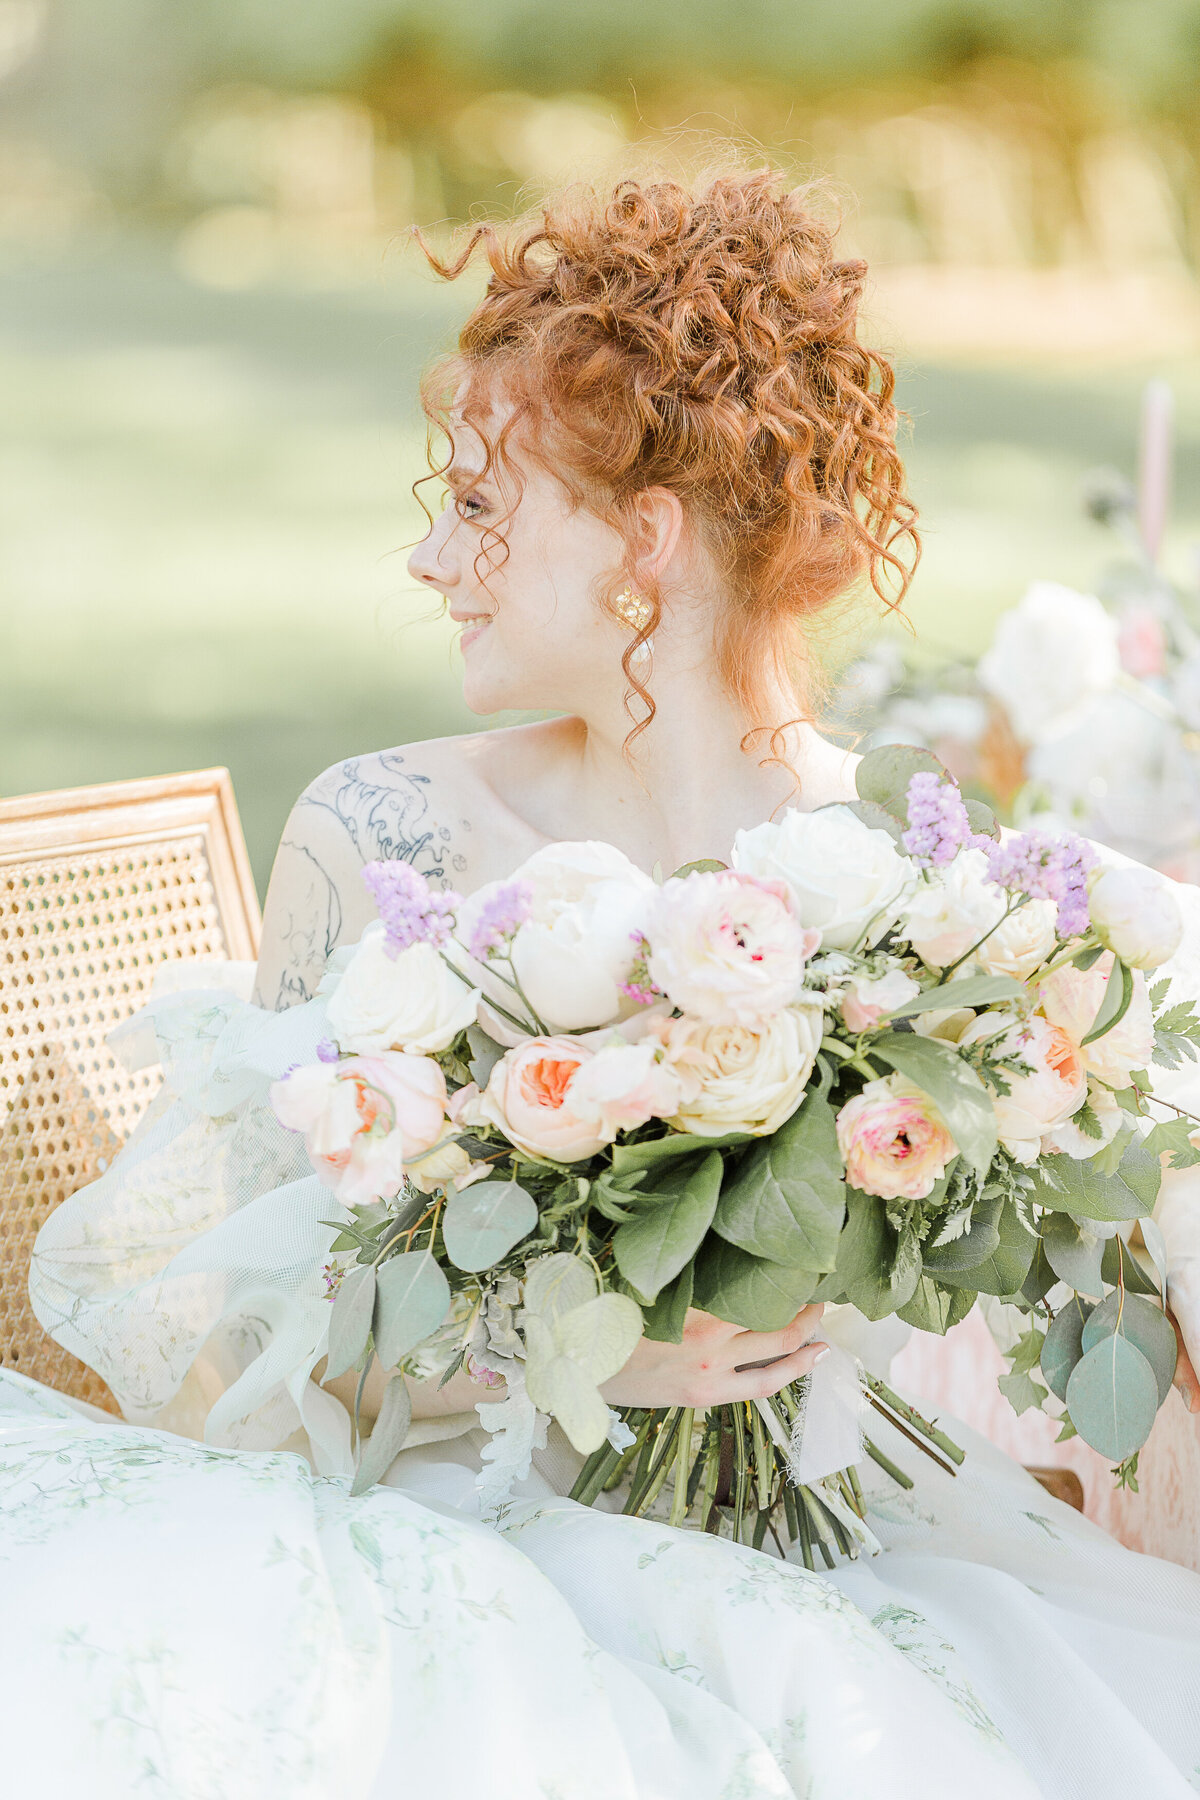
(636, 613)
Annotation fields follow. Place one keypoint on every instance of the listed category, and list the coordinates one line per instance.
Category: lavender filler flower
(412, 911)
(500, 918)
(938, 826)
(1047, 868)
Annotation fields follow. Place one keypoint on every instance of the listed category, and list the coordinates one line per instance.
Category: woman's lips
(472, 629)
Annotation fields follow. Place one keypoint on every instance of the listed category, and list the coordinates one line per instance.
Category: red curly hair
(702, 340)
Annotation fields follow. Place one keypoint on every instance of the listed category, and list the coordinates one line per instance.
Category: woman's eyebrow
(458, 476)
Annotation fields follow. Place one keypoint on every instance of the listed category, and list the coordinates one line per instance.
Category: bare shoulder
(430, 804)
(828, 772)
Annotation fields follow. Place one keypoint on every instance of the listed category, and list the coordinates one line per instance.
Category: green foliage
(787, 1200)
(1063, 1346)
(412, 1298)
(1176, 1035)
(1112, 1397)
(955, 1089)
(387, 1436)
(664, 1320)
(758, 1295)
(883, 775)
(673, 1215)
(1074, 1253)
(1019, 1386)
(1144, 1325)
(1118, 993)
(972, 1246)
(482, 1224)
(1004, 1269)
(972, 990)
(1062, 1184)
(350, 1321)
(934, 1307)
(1173, 1137)
(878, 1266)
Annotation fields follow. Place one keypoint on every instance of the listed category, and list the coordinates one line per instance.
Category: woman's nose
(428, 562)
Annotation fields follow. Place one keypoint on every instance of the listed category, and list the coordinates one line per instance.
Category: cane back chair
(99, 886)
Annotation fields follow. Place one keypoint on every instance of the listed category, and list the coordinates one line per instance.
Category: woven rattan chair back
(98, 887)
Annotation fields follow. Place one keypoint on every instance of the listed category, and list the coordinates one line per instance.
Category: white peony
(1050, 656)
(577, 946)
(1022, 943)
(738, 1077)
(952, 909)
(726, 948)
(846, 879)
(1135, 914)
(411, 1001)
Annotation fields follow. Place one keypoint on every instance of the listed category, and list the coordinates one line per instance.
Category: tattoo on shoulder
(311, 930)
(386, 814)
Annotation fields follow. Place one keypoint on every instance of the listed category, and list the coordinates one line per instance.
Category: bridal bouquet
(883, 1058)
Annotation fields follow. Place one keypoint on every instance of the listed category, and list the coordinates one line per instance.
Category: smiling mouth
(472, 628)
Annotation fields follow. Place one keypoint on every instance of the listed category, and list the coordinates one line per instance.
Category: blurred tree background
(211, 324)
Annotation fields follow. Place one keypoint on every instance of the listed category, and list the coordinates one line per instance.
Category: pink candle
(1154, 465)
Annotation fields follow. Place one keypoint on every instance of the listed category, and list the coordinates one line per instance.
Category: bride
(667, 452)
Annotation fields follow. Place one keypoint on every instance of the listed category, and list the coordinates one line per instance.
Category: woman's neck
(688, 785)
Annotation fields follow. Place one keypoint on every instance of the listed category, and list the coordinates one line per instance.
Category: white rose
(952, 909)
(1050, 656)
(845, 878)
(738, 1077)
(725, 948)
(1022, 943)
(1072, 1141)
(1135, 914)
(1040, 1103)
(577, 946)
(408, 1002)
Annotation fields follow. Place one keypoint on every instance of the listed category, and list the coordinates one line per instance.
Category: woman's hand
(717, 1362)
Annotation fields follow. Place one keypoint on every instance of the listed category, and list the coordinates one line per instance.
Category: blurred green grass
(204, 503)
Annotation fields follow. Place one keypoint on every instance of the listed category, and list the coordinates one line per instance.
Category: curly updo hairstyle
(704, 340)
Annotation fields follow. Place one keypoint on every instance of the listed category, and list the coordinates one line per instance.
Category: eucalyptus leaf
(1144, 1325)
(1040, 1279)
(412, 1299)
(876, 817)
(485, 1054)
(982, 819)
(350, 1324)
(787, 1200)
(955, 1089)
(1064, 1344)
(387, 1436)
(1112, 1397)
(867, 1259)
(704, 865)
(669, 1226)
(934, 1307)
(1074, 1253)
(1141, 1171)
(1087, 957)
(1118, 993)
(745, 1290)
(1120, 1267)
(972, 990)
(883, 775)
(664, 1320)
(482, 1223)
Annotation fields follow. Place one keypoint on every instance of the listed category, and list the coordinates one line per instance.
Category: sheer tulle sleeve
(190, 1274)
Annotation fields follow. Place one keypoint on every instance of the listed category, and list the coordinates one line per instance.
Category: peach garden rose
(363, 1117)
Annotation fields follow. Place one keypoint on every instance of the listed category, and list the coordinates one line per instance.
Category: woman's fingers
(756, 1384)
(750, 1348)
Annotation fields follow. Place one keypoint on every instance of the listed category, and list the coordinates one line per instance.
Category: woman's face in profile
(534, 635)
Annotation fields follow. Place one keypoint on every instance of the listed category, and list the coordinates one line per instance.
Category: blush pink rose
(1071, 998)
(866, 1000)
(362, 1117)
(726, 947)
(894, 1140)
(529, 1096)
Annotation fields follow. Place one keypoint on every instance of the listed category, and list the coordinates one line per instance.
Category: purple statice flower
(412, 911)
(500, 918)
(1047, 867)
(332, 1277)
(327, 1051)
(938, 826)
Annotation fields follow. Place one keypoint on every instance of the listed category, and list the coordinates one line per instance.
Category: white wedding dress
(196, 1609)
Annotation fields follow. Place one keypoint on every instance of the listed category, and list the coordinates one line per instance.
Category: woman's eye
(470, 506)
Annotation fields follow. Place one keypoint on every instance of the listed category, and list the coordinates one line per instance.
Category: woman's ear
(660, 529)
